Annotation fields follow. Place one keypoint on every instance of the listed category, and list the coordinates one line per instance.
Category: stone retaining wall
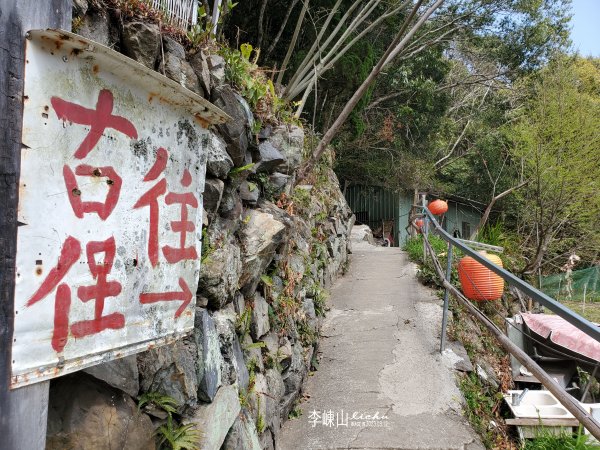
(269, 250)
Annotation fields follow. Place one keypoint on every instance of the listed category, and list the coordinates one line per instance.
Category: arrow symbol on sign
(185, 295)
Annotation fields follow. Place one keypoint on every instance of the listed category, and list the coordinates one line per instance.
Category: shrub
(565, 441)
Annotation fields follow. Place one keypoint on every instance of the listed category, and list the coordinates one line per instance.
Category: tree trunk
(533, 266)
(395, 47)
(281, 28)
(411, 216)
(261, 19)
(292, 45)
(488, 210)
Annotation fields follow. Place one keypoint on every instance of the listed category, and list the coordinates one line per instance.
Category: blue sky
(586, 27)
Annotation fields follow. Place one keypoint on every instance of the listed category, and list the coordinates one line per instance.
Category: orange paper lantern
(419, 223)
(478, 282)
(438, 207)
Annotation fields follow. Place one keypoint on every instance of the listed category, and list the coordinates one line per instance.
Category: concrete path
(379, 358)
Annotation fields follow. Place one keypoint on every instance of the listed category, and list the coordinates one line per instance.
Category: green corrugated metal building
(373, 205)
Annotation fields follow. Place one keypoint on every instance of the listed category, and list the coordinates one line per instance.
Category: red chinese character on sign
(183, 226)
(150, 199)
(98, 119)
(69, 255)
(99, 291)
(79, 206)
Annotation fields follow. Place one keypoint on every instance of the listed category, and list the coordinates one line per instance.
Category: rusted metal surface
(112, 171)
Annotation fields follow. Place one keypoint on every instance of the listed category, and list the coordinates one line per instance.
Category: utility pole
(23, 412)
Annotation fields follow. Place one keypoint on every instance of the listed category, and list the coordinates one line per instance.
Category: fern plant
(166, 403)
(172, 435)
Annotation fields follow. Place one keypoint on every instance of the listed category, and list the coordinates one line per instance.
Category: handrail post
(424, 227)
(446, 295)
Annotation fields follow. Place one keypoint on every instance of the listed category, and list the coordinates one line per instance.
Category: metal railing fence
(559, 309)
(570, 403)
(179, 13)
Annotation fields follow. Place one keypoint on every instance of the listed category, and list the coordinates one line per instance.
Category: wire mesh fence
(575, 286)
(179, 13)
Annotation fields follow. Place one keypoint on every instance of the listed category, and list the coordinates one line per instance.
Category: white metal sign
(110, 207)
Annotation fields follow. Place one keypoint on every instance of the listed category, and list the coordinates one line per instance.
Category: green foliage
(318, 252)
(242, 73)
(359, 62)
(321, 216)
(252, 364)
(171, 435)
(414, 247)
(295, 412)
(244, 398)
(545, 440)
(244, 394)
(178, 437)
(238, 170)
(243, 321)
(230, 4)
(200, 33)
(525, 41)
(395, 141)
(274, 319)
(301, 197)
(197, 34)
(480, 404)
(207, 248)
(255, 87)
(273, 362)
(268, 190)
(284, 310)
(426, 273)
(391, 145)
(76, 24)
(267, 280)
(557, 139)
(255, 345)
(166, 403)
(308, 336)
(246, 51)
(497, 234)
(492, 234)
(320, 301)
(260, 422)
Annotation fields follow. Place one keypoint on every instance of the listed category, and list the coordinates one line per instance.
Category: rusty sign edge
(51, 372)
(203, 108)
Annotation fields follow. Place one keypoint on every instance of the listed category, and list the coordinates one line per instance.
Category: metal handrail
(572, 405)
(570, 316)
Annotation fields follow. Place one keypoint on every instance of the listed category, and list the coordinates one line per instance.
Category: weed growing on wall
(258, 90)
(171, 435)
